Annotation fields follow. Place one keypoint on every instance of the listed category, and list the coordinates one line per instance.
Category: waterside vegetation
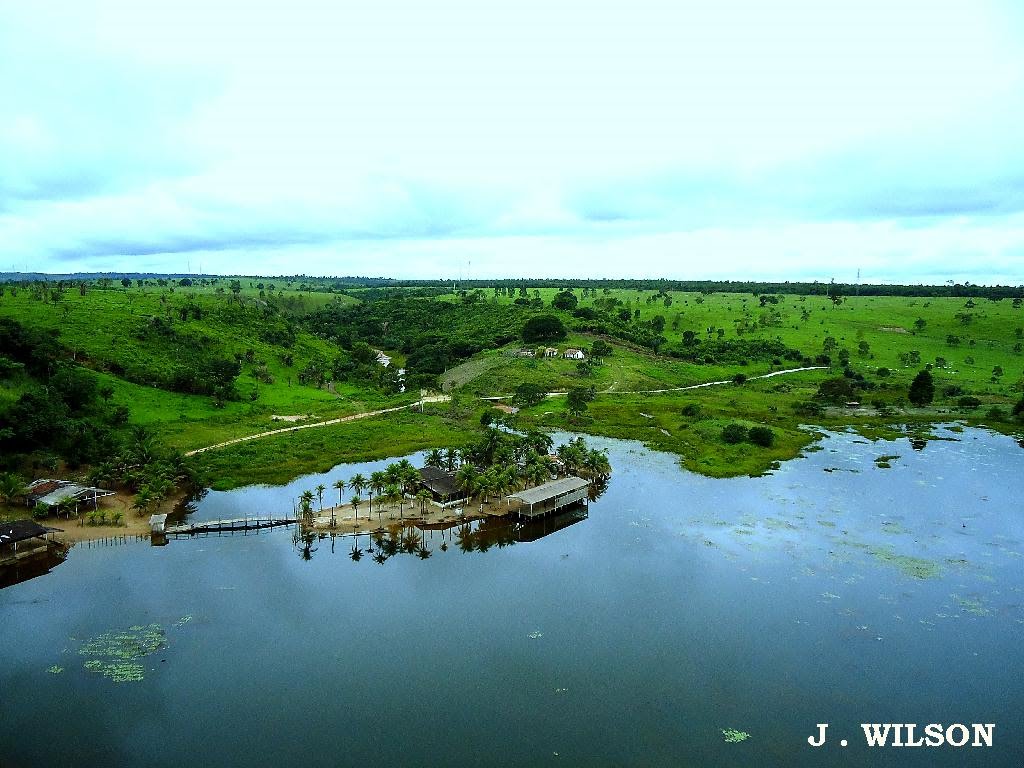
(114, 379)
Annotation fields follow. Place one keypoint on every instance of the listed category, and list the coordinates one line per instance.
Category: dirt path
(612, 391)
(445, 398)
(329, 422)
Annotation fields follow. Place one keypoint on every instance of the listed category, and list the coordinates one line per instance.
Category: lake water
(832, 591)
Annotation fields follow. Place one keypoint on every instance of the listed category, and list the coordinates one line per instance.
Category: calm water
(679, 607)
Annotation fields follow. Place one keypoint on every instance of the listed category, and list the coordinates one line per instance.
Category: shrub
(544, 328)
(922, 389)
(968, 402)
(734, 433)
(762, 436)
(693, 410)
(882, 372)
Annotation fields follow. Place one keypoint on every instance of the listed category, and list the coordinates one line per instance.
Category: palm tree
(357, 483)
(451, 458)
(320, 493)
(596, 463)
(11, 486)
(378, 482)
(306, 503)
(540, 442)
(356, 501)
(394, 494)
(423, 496)
(409, 476)
(485, 487)
(467, 477)
(340, 485)
(435, 459)
(143, 500)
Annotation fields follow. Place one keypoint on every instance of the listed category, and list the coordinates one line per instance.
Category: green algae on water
(56, 669)
(733, 736)
(915, 567)
(116, 654)
(972, 605)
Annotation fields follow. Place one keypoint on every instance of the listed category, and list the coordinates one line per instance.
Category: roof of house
(550, 490)
(20, 530)
(439, 481)
(51, 492)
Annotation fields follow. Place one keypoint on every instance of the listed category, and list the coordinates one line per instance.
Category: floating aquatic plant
(733, 736)
(971, 605)
(56, 669)
(183, 621)
(116, 653)
(535, 634)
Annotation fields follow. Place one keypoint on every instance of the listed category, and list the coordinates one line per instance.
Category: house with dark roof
(19, 532)
(443, 486)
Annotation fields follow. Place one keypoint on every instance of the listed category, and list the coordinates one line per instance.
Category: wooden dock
(236, 525)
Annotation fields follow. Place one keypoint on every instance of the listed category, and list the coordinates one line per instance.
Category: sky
(723, 139)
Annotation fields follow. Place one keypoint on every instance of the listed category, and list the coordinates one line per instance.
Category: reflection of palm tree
(306, 553)
(411, 541)
(464, 538)
(423, 553)
(356, 554)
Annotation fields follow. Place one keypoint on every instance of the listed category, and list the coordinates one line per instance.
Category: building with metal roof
(51, 493)
(548, 497)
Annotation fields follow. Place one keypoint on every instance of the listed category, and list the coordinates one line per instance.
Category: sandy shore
(345, 520)
(132, 524)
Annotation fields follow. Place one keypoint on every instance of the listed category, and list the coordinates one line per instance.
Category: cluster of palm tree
(391, 487)
(516, 460)
(580, 460)
(145, 467)
(497, 464)
(11, 487)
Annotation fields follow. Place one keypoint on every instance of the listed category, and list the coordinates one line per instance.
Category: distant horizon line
(14, 276)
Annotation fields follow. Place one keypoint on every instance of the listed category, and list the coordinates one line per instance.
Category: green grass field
(972, 345)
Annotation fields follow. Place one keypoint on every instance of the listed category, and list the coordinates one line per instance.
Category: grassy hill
(218, 359)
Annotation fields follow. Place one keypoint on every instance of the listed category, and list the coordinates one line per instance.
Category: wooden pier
(236, 525)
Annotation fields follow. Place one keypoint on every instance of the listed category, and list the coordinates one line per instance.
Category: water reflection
(422, 540)
(38, 563)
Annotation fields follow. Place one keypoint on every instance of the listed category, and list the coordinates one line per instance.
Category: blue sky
(795, 139)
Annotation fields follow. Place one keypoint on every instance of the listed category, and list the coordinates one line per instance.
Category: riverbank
(77, 529)
(343, 519)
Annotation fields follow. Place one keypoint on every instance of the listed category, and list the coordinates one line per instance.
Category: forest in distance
(117, 379)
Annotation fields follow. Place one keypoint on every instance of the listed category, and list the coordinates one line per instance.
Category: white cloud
(413, 137)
